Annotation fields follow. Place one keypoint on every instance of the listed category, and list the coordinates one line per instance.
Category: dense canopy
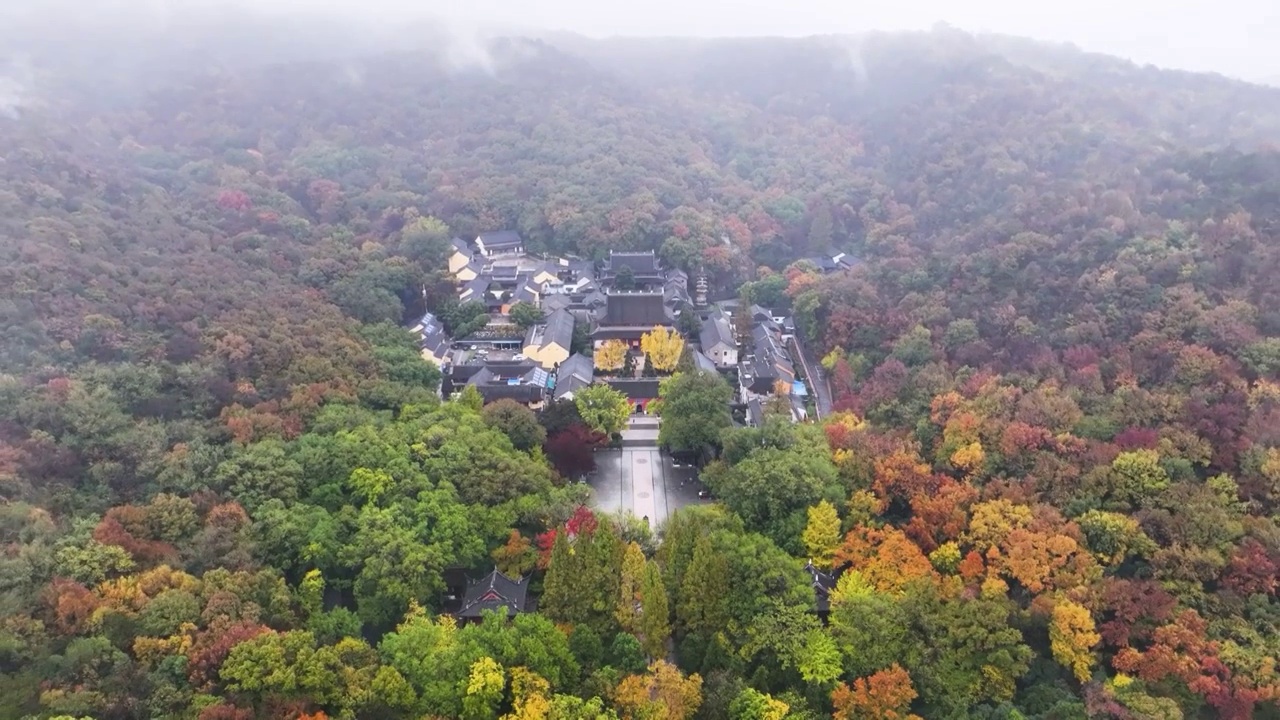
(1048, 487)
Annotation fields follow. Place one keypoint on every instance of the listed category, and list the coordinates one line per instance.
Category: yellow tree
(822, 534)
(661, 694)
(611, 355)
(663, 346)
(1072, 636)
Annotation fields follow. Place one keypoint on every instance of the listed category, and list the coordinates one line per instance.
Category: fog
(1232, 37)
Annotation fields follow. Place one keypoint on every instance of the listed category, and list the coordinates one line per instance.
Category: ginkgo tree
(663, 346)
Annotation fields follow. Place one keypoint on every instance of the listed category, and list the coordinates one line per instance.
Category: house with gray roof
(573, 375)
(548, 343)
(717, 339)
(502, 242)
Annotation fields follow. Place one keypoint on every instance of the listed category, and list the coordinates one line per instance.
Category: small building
(823, 584)
(629, 315)
(573, 375)
(433, 342)
(527, 388)
(503, 242)
(495, 592)
(718, 341)
(460, 254)
(548, 343)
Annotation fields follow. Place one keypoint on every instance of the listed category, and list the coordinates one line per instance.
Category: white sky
(1235, 37)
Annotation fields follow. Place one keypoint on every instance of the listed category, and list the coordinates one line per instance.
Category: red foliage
(1252, 570)
(126, 526)
(940, 516)
(228, 515)
(583, 522)
(212, 646)
(1019, 437)
(972, 568)
(1133, 608)
(570, 450)
(545, 541)
(886, 695)
(234, 201)
(71, 603)
(903, 475)
(1137, 439)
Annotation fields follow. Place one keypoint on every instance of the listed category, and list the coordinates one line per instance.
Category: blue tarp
(798, 389)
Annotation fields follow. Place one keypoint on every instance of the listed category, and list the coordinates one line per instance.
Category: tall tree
(516, 421)
(655, 622)
(701, 606)
(633, 570)
(694, 410)
(822, 534)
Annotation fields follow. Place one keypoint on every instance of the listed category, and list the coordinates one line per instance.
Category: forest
(1050, 490)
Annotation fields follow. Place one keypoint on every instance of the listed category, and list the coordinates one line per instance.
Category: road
(817, 379)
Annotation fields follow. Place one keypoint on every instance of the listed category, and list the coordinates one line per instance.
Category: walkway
(817, 379)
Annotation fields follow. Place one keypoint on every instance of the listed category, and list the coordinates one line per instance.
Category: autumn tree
(610, 355)
(662, 693)
(663, 347)
(822, 533)
(1072, 637)
(885, 695)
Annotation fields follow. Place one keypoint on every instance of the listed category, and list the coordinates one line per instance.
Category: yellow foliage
(158, 579)
(1264, 392)
(1072, 636)
(822, 533)
(969, 458)
(994, 587)
(992, 521)
(150, 650)
(663, 347)
(529, 692)
(611, 355)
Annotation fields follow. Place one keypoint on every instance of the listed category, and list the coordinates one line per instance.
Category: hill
(1052, 483)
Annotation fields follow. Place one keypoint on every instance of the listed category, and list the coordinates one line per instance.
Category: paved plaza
(640, 478)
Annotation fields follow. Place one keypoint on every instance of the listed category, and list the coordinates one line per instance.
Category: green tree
(695, 410)
(633, 569)
(525, 315)
(517, 422)
(561, 599)
(286, 665)
(655, 624)
(602, 408)
(751, 704)
(701, 606)
(771, 488)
